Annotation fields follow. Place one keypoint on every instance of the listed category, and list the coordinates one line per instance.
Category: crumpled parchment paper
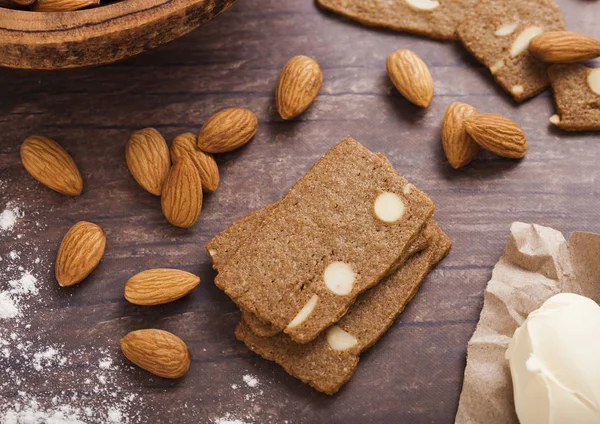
(538, 262)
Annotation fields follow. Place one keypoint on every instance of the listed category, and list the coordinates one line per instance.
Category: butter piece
(554, 362)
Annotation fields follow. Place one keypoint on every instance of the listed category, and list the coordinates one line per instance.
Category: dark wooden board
(414, 374)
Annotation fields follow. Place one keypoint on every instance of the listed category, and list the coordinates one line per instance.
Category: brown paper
(537, 263)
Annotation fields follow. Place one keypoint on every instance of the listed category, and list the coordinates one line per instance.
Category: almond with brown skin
(564, 47)
(51, 165)
(148, 159)
(62, 5)
(79, 253)
(459, 146)
(181, 198)
(185, 144)
(299, 83)
(159, 286)
(157, 351)
(497, 134)
(411, 77)
(227, 130)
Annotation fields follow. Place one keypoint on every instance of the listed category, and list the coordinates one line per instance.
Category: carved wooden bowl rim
(52, 30)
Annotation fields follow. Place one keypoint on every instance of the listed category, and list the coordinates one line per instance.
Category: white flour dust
(34, 371)
(250, 407)
(9, 217)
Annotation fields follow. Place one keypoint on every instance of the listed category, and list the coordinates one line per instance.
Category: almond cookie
(431, 18)
(225, 244)
(498, 32)
(329, 361)
(339, 230)
(577, 96)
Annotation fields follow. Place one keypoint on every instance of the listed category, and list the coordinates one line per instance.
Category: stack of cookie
(322, 273)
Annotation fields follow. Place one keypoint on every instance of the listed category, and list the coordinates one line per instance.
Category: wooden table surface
(414, 374)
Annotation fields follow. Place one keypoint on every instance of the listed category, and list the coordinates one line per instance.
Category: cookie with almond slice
(577, 96)
(337, 232)
(431, 18)
(329, 361)
(498, 32)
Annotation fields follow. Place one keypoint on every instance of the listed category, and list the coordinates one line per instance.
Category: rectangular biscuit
(326, 242)
(431, 18)
(577, 96)
(498, 32)
(224, 245)
(329, 361)
(264, 329)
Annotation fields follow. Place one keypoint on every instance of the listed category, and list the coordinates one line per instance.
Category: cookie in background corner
(430, 18)
(577, 96)
(498, 33)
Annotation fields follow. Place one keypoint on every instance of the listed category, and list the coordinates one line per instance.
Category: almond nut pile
(193, 169)
(179, 174)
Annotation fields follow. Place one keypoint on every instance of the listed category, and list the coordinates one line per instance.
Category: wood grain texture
(414, 373)
(98, 35)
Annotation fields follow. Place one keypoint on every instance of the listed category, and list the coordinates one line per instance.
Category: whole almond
(459, 146)
(79, 253)
(62, 5)
(185, 144)
(410, 76)
(160, 352)
(564, 47)
(299, 83)
(227, 130)
(158, 286)
(24, 2)
(497, 134)
(148, 159)
(51, 165)
(181, 198)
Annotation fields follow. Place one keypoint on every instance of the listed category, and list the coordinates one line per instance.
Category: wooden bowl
(39, 40)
